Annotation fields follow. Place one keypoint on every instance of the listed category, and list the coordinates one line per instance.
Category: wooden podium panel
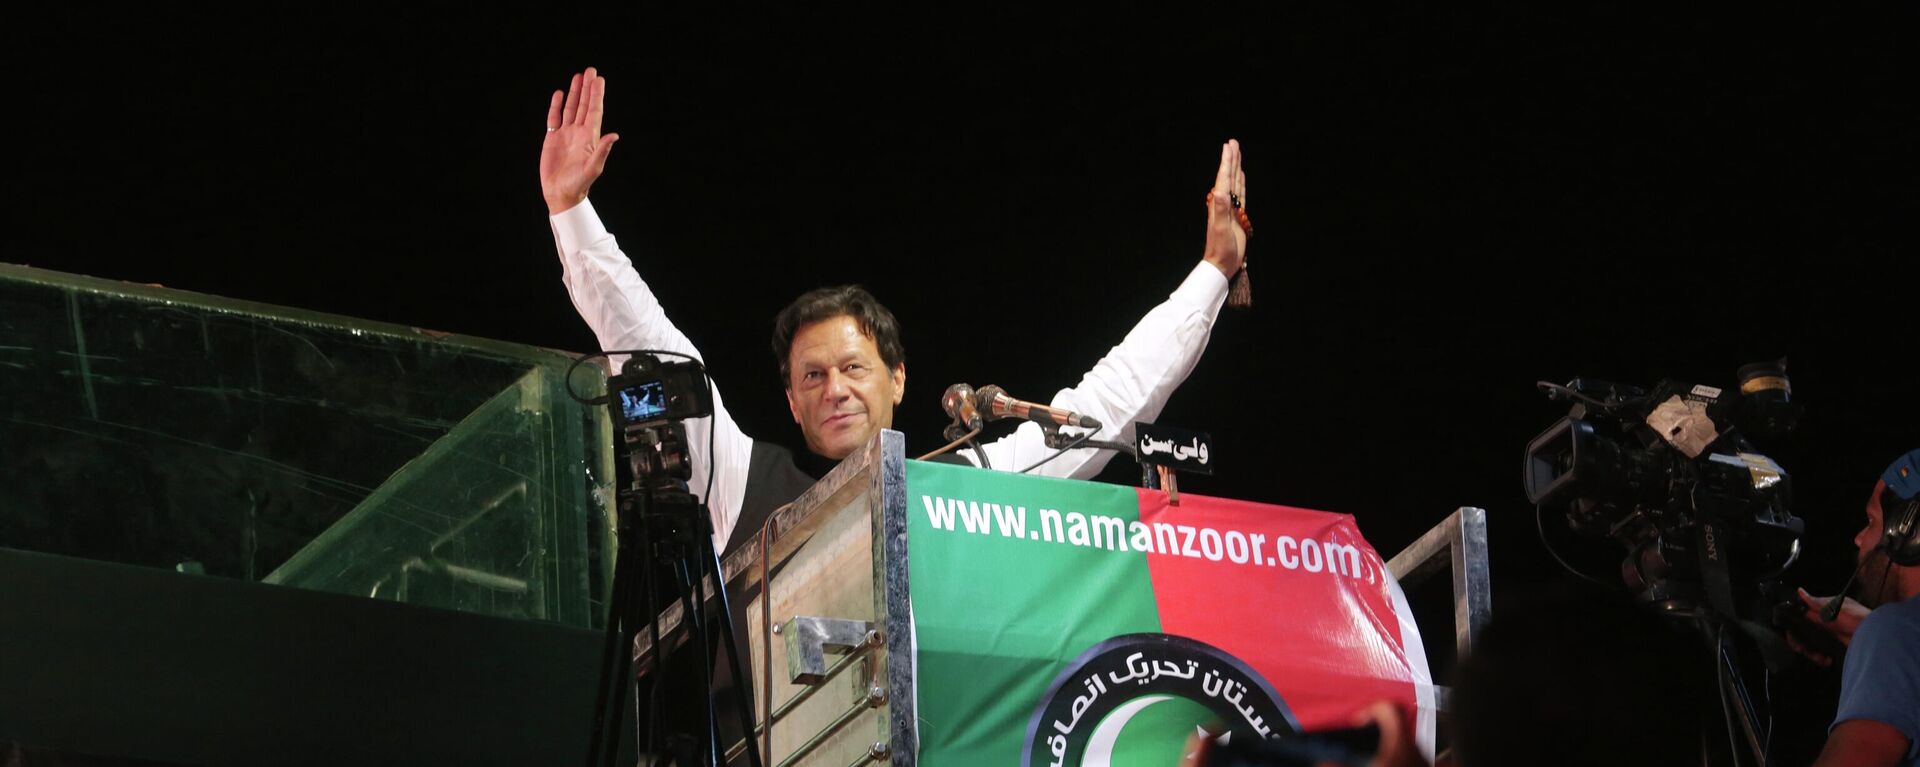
(836, 559)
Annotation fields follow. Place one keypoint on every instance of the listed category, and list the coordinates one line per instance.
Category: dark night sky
(1449, 208)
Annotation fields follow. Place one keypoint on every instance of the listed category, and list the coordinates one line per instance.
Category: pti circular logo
(1136, 699)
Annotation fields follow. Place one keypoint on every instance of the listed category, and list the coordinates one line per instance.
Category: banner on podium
(1067, 623)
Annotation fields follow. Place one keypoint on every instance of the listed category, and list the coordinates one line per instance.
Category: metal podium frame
(1459, 542)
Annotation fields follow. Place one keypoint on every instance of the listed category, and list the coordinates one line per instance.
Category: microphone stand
(1057, 441)
(957, 431)
(1149, 477)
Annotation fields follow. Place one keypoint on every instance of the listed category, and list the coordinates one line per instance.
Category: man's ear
(793, 407)
(899, 382)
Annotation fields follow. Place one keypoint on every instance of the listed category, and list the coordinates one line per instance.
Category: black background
(1449, 208)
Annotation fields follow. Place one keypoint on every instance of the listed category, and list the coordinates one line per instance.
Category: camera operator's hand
(1394, 749)
(1842, 627)
(1397, 748)
(1199, 751)
(574, 154)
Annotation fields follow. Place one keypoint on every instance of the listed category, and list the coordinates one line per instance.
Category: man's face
(839, 390)
(1875, 585)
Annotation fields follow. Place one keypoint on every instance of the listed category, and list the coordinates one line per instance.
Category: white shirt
(1130, 384)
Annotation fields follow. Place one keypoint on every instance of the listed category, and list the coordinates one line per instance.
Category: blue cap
(1903, 476)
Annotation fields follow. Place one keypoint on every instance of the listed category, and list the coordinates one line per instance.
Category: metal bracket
(809, 639)
(1461, 541)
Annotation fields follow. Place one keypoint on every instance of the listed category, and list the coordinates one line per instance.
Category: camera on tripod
(1670, 474)
(650, 400)
(661, 529)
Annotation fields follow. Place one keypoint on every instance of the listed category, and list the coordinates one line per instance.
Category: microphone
(1831, 612)
(1832, 608)
(998, 404)
(961, 406)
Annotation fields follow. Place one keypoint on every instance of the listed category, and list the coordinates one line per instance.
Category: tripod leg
(1740, 704)
(614, 663)
(691, 593)
(659, 668)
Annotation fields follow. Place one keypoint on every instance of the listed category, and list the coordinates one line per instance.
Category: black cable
(713, 425)
(1766, 689)
(711, 396)
(698, 633)
(1062, 451)
(566, 381)
(706, 498)
(1540, 526)
(984, 463)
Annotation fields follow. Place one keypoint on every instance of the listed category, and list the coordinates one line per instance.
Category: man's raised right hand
(574, 154)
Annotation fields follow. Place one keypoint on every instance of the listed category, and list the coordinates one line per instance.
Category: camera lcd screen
(643, 402)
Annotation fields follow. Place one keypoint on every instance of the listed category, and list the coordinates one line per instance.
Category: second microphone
(995, 403)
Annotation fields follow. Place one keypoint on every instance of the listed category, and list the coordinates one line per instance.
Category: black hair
(827, 303)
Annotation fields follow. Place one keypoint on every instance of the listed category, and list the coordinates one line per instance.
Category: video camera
(1670, 474)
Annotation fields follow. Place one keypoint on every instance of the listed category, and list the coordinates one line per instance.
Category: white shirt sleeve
(1132, 383)
(624, 314)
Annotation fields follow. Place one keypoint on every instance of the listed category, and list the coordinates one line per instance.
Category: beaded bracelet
(1240, 292)
(1239, 213)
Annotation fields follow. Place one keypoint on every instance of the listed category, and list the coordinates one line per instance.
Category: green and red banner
(1064, 623)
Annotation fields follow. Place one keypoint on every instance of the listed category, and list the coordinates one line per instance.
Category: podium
(911, 612)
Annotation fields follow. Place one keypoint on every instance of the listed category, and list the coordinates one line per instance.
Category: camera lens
(1769, 411)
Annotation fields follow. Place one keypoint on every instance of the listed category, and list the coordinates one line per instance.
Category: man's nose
(836, 388)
